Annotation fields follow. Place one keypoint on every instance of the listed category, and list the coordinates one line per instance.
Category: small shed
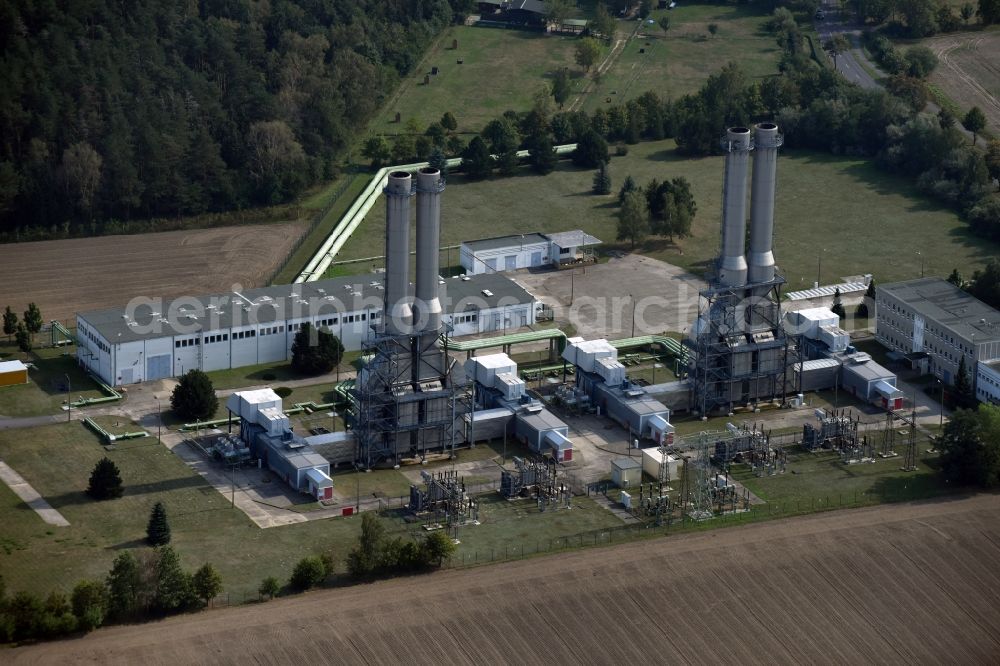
(12, 373)
(319, 483)
(626, 472)
(652, 458)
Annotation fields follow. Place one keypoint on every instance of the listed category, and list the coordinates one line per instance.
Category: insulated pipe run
(760, 259)
(428, 305)
(398, 315)
(732, 263)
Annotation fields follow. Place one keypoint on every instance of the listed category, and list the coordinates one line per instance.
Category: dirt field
(67, 276)
(969, 72)
(894, 584)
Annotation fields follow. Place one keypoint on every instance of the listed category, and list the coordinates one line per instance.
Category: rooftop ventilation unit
(465, 278)
(487, 292)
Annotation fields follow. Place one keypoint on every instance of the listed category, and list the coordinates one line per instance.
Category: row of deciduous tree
(140, 584)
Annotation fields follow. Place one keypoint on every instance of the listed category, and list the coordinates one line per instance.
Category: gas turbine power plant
(411, 397)
(406, 393)
(740, 352)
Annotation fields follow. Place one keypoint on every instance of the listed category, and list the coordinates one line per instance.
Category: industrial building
(835, 363)
(988, 382)
(12, 373)
(626, 472)
(740, 351)
(510, 253)
(929, 319)
(264, 428)
(601, 383)
(500, 398)
(155, 340)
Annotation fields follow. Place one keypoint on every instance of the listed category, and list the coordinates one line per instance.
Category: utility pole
(334, 419)
(159, 419)
(632, 296)
(69, 400)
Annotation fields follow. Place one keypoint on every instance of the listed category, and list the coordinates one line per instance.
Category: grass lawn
(841, 207)
(822, 478)
(500, 70)
(680, 62)
(45, 393)
(513, 524)
(339, 200)
(57, 461)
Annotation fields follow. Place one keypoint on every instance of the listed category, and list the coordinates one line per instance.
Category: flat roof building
(533, 250)
(932, 316)
(152, 338)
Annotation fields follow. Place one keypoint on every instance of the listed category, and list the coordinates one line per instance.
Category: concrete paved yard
(598, 299)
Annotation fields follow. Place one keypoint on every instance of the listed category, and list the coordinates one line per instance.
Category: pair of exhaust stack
(735, 269)
(425, 315)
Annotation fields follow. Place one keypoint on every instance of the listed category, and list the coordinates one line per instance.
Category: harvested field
(969, 72)
(78, 274)
(908, 583)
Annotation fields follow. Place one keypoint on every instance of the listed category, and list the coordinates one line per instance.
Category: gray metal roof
(949, 306)
(868, 371)
(266, 305)
(541, 421)
(500, 242)
(575, 238)
(626, 463)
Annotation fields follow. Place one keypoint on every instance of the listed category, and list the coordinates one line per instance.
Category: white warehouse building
(153, 339)
(509, 253)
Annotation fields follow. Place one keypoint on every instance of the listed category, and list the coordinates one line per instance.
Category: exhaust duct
(429, 188)
(732, 263)
(760, 259)
(398, 315)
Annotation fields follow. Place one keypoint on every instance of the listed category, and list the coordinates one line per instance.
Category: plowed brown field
(68, 276)
(911, 584)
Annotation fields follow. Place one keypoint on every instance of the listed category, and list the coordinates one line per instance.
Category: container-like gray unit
(398, 314)
(732, 263)
(760, 259)
(428, 305)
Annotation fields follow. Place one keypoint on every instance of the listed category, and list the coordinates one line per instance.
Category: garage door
(158, 367)
(491, 265)
(536, 258)
(510, 263)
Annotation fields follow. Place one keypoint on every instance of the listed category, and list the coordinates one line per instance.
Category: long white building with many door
(151, 339)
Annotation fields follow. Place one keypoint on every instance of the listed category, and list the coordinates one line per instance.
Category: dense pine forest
(117, 110)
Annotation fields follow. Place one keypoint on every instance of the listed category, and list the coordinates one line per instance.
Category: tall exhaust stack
(765, 162)
(398, 316)
(732, 263)
(429, 188)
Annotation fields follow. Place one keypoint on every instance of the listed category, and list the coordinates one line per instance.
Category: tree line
(114, 111)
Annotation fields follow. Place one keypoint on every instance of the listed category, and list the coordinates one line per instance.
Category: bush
(269, 587)
(105, 481)
(308, 573)
(194, 397)
(862, 310)
(90, 604)
(268, 376)
(283, 391)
